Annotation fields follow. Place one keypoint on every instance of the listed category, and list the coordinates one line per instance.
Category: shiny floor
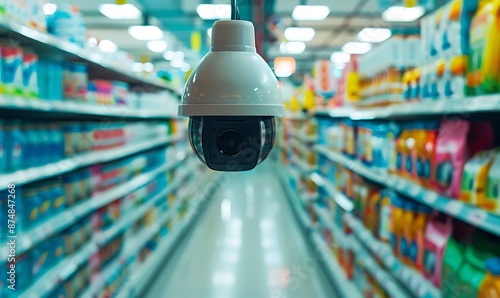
(247, 243)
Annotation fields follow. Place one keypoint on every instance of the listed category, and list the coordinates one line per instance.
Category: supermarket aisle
(246, 244)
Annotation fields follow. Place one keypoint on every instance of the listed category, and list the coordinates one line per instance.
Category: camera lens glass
(230, 142)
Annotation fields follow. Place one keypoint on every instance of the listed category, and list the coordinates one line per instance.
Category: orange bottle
(416, 253)
(409, 232)
(490, 287)
(396, 226)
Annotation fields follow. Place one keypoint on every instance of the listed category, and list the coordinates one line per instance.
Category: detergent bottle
(490, 287)
(397, 223)
(416, 252)
(409, 235)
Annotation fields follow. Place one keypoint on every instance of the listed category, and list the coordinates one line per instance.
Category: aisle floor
(246, 243)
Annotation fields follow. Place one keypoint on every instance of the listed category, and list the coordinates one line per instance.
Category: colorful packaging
(475, 177)
(417, 246)
(451, 154)
(11, 73)
(385, 216)
(425, 163)
(75, 80)
(437, 233)
(15, 145)
(402, 153)
(350, 136)
(454, 77)
(490, 287)
(380, 146)
(396, 226)
(453, 260)
(409, 236)
(484, 66)
(30, 75)
(393, 135)
(491, 201)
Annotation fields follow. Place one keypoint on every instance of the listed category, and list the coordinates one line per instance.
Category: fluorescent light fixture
(357, 48)
(186, 67)
(340, 57)
(92, 42)
(209, 32)
(169, 55)
(310, 12)
(179, 55)
(148, 67)
(374, 34)
(403, 14)
(120, 12)
(107, 46)
(299, 34)
(137, 67)
(157, 46)
(292, 47)
(49, 9)
(283, 68)
(177, 63)
(214, 11)
(145, 32)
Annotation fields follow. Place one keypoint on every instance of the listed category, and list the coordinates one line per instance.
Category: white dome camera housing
(232, 98)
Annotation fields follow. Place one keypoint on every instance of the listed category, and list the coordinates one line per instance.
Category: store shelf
(466, 213)
(476, 104)
(411, 279)
(100, 66)
(326, 221)
(294, 200)
(58, 223)
(345, 287)
(338, 197)
(49, 281)
(140, 279)
(383, 278)
(304, 167)
(81, 160)
(19, 106)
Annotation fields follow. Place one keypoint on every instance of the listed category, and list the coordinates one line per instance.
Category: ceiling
(179, 19)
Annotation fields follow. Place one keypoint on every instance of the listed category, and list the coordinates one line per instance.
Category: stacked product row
(38, 202)
(455, 257)
(28, 143)
(455, 158)
(452, 56)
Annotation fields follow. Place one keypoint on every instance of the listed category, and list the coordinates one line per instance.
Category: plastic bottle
(490, 287)
(426, 162)
(45, 146)
(385, 216)
(15, 145)
(419, 135)
(401, 151)
(31, 149)
(409, 235)
(396, 226)
(416, 251)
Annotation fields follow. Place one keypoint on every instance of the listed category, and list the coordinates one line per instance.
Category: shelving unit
(38, 108)
(476, 104)
(46, 284)
(467, 213)
(294, 200)
(81, 160)
(100, 67)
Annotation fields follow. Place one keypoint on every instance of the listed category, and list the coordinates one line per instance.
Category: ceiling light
(145, 32)
(310, 12)
(137, 67)
(214, 11)
(292, 47)
(120, 12)
(357, 48)
(148, 67)
(340, 57)
(374, 34)
(179, 55)
(299, 34)
(169, 55)
(339, 65)
(157, 46)
(107, 46)
(403, 14)
(92, 42)
(284, 67)
(49, 9)
(177, 63)
(186, 67)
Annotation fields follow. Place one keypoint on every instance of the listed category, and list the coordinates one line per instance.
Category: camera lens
(230, 142)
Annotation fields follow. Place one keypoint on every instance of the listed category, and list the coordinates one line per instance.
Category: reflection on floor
(246, 243)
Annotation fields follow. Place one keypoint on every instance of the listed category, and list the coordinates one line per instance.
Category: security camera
(232, 98)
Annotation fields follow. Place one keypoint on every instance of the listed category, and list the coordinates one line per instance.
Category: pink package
(437, 233)
(451, 156)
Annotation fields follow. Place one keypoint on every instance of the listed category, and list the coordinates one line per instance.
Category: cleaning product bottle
(416, 252)
(491, 201)
(385, 216)
(437, 233)
(420, 134)
(426, 163)
(475, 177)
(484, 62)
(401, 149)
(397, 223)
(409, 236)
(490, 287)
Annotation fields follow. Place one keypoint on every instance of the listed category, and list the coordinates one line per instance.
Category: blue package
(380, 146)
(24, 264)
(15, 142)
(28, 208)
